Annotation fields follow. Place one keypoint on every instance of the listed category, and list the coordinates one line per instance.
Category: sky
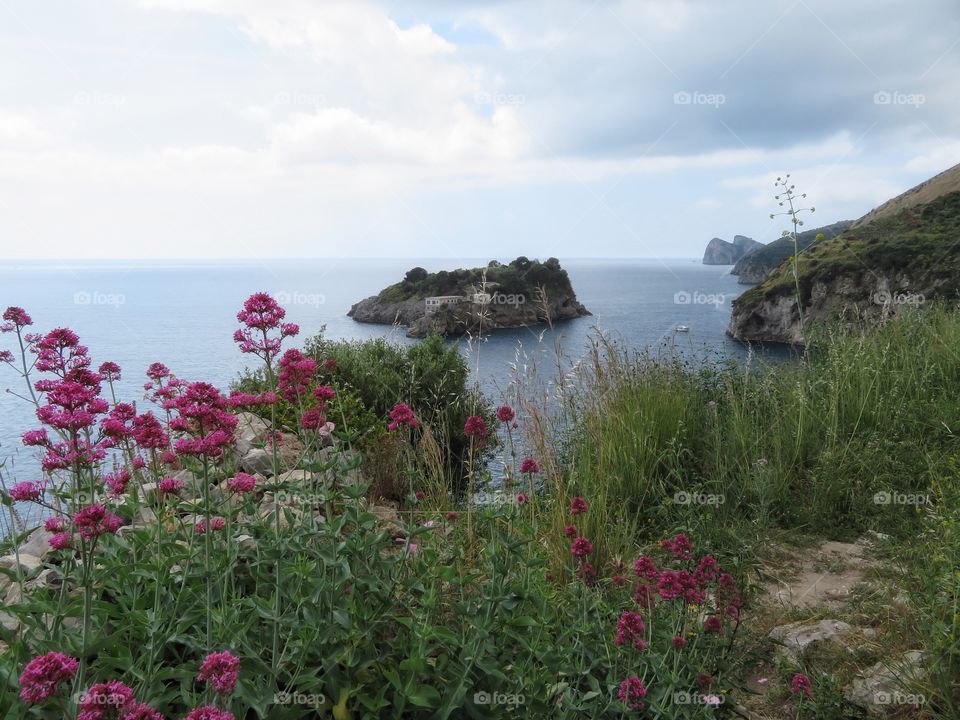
(458, 128)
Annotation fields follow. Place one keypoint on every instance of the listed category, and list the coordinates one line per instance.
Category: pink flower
(581, 547)
(678, 641)
(60, 540)
(260, 315)
(216, 523)
(475, 426)
(142, 711)
(242, 483)
(618, 580)
(505, 413)
(324, 393)
(578, 506)
(401, 414)
(646, 568)
(312, 419)
(296, 374)
(523, 499)
(529, 465)
(26, 492)
(6, 356)
(34, 438)
(110, 371)
(105, 701)
(587, 573)
(55, 524)
(42, 676)
(632, 692)
(220, 670)
(801, 684)
(680, 546)
(204, 417)
(94, 521)
(326, 429)
(714, 624)
(170, 485)
(148, 433)
(570, 531)
(644, 595)
(208, 712)
(630, 629)
(451, 516)
(15, 318)
(330, 365)
(116, 482)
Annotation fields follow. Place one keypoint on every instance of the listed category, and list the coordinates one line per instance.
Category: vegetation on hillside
(519, 277)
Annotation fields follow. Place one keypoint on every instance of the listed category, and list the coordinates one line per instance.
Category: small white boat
(681, 328)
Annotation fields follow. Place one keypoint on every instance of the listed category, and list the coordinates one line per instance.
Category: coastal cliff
(904, 253)
(521, 293)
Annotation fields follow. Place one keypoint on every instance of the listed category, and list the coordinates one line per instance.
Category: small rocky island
(517, 294)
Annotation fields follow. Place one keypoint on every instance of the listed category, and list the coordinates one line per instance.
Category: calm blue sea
(184, 313)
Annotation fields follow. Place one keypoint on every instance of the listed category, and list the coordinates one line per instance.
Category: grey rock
(883, 689)
(721, 252)
(252, 431)
(256, 461)
(29, 564)
(36, 544)
(794, 639)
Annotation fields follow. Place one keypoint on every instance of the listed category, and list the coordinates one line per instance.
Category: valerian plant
(180, 581)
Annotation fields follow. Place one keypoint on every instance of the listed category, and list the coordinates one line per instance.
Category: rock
(14, 595)
(257, 461)
(36, 544)
(9, 622)
(29, 564)
(48, 579)
(384, 513)
(3, 648)
(721, 252)
(246, 542)
(252, 431)
(794, 639)
(192, 485)
(148, 492)
(882, 688)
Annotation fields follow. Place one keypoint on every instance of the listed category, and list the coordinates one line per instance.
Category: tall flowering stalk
(261, 334)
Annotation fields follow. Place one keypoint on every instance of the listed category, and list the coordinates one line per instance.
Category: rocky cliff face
(475, 318)
(882, 264)
(721, 252)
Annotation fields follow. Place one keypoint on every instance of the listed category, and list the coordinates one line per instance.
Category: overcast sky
(429, 128)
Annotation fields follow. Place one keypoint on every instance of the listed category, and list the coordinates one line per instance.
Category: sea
(184, 313)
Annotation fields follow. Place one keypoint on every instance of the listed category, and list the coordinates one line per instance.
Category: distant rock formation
(721, 252)
(521, 293)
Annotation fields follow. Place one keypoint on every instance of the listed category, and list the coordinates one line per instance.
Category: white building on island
(436, 302)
